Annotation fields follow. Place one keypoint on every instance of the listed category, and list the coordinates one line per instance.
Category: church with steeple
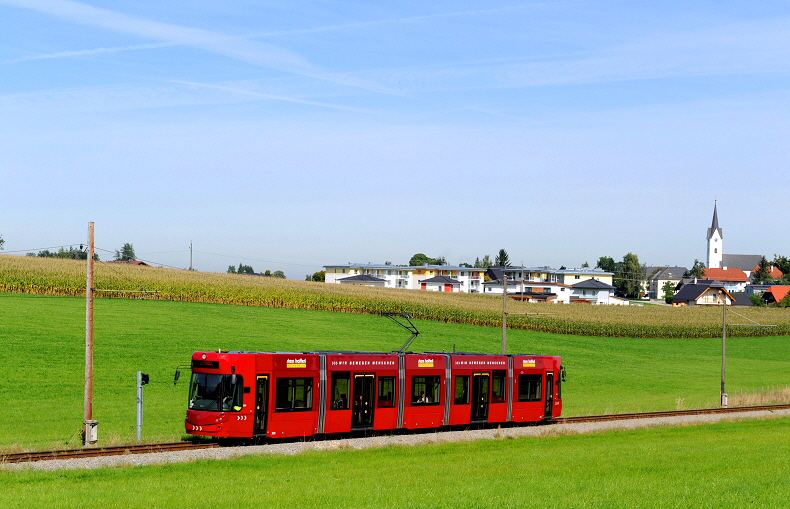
(715, 253)
(716, 258)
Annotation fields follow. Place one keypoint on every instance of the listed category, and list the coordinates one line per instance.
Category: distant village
(734, 279)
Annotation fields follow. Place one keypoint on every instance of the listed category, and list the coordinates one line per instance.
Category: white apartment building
(464, 279)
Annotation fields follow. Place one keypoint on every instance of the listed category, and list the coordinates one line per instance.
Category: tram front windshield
(220, 393)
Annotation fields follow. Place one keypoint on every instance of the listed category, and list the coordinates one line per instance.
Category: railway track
(91, 452)
(27, 457)
(673, 413)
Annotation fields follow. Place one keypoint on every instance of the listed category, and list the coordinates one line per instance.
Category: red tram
(278, 395)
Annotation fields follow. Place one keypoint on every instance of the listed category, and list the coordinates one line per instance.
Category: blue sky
(289, 135)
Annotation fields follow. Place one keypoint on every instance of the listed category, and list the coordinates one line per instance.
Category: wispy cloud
(261, 95)
(755, 47)
(86, 52)
(239, 48)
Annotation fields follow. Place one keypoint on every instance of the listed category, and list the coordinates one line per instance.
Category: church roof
(715, 224)
(743, 262)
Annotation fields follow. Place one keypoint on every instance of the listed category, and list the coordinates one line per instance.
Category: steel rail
(26, 457)
(669, 413)
(92, 452)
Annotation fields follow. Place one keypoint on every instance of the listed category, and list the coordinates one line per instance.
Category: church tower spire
(715, 237)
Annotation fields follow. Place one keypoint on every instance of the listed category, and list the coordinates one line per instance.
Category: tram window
(498, 386)
(294, 394)
(340, 391)
(386, 397)
(425, 390)
(461, 396)
(529, 387)
(216, 392)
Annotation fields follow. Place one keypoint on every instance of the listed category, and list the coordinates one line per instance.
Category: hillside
(47, 276)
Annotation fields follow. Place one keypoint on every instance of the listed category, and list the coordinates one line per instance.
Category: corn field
(64, 277)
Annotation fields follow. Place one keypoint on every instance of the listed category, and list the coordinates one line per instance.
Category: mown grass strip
(723, 465)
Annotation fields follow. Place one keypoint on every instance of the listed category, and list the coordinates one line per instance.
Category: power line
(258, 259)
(43, 248)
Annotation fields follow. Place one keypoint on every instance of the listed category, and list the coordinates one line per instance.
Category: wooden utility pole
(88, 423)
(723, 345)
(190, 255)
(504, 313)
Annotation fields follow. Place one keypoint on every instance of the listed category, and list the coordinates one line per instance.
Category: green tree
(669, 291)
(419, 259)
(585, 265)
(757, 300)
(2, 241)
(245, 269)
(231, 269)
(785, 302)
(486, 262)
(783, 264)
(502, 259)
(422, 259)
(697, 270)
(763, 272)
(126, 253)
(319, 276)
(630, 276)
(278, 274)
(606, 263)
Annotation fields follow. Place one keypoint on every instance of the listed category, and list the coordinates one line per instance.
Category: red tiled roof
(732, 275)
(778, 292)
(773, 272)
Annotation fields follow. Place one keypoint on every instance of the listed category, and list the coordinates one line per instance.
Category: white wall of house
(598, 296)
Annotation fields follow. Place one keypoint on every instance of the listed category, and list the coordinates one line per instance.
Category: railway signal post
(142, 379)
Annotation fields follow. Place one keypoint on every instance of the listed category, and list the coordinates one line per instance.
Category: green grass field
(723, 465)
(44, 339)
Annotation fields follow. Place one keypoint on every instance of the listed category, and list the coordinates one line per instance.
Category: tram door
(480, 396)
(261, 403)
(364, 392)
(549, 395)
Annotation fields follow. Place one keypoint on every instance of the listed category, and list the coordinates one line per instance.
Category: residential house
(734, 279)
(363, 280)
(410, 278)
(773, 272)
(702, 292)
(593, 291)
(440, 284)
(657, 277)
(775, 293)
